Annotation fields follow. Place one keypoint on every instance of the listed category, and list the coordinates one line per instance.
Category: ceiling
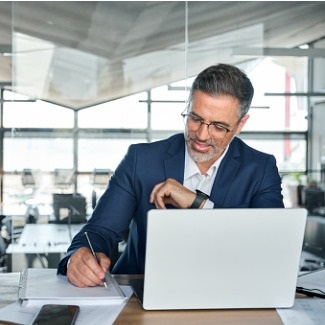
(79, 54)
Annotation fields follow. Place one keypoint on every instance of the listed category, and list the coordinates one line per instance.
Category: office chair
(314, 199)
(9, 233)
(27, 178)
(3, 256)
(69, 208)
(64, 178)
(101, 178)
(4, 241)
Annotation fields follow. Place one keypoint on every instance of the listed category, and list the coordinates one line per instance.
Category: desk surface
(134, 314)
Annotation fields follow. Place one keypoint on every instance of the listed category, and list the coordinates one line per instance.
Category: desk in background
(134, 314)
(46, 239)
(22, 208)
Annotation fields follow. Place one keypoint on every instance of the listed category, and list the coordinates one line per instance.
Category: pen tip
(105, 284)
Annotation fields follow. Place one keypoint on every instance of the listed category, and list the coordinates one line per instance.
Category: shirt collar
(191, 167)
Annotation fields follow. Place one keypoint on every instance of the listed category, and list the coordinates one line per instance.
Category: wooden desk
(134, 314)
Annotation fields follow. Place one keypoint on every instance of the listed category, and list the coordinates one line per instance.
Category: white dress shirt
(194, 180)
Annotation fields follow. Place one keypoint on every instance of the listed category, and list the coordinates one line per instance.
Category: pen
(94, 254)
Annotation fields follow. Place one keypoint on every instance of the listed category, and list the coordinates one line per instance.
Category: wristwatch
(200, 197)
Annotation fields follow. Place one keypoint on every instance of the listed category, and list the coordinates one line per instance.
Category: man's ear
(242, 123)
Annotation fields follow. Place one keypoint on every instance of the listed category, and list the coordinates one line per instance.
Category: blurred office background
(81, 81)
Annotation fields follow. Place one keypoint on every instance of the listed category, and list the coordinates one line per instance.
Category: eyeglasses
(217, 130)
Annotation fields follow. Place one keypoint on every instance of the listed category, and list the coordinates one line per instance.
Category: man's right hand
(84, 271)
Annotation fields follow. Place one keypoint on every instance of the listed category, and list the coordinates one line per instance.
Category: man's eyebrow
(214, 122)
(221, 123)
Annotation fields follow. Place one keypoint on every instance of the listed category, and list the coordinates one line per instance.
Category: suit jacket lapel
(226, 174)
(174, 160)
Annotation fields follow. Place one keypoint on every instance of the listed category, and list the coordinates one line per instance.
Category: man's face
(207, 143)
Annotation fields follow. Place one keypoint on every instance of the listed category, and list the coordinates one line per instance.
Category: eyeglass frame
(186, 115)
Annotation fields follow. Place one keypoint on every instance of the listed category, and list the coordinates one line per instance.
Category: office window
(37, 153)
(167, 116)
(289, 153)
(271, 110)
(278, 117)
(122, 113)
(166, 108)
(39, 157)
(34, 114)
(176, 92)
(103, 153)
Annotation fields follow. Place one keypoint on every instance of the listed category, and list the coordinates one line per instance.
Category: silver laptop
(222, 258)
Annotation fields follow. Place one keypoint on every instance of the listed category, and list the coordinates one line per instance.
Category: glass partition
(130, 83)
(89, 78)
(79, 54)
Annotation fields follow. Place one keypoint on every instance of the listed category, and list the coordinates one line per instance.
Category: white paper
(18, 314)
(44, 286)
(306, 311)
(104, 315)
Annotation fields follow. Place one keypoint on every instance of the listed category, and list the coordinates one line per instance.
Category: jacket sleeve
(268, 195)
(112, 215)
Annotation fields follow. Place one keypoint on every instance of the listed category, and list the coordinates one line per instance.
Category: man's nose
(203, 132)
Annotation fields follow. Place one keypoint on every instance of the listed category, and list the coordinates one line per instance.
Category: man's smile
(200, 146)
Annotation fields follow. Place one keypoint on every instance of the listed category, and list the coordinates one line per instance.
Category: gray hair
(224, 79)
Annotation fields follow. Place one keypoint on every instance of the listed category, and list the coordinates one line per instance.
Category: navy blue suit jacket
(246, 178)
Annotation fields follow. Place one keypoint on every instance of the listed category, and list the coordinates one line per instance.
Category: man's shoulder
(244, 148)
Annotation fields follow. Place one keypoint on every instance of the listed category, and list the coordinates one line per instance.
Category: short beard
(199, 156)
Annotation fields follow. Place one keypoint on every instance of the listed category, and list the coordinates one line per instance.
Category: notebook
(43, 286)
(312, 283)
(221, 258)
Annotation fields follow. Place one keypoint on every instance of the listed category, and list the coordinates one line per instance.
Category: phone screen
(56, 315)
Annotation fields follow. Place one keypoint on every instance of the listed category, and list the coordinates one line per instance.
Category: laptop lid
(222, 258)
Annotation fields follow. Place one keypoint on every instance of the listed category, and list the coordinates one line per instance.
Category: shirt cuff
(69, 260)
(208, 205)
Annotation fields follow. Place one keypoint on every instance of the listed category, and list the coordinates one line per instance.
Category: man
(209, 158)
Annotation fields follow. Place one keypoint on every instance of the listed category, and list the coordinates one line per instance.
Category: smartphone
(56, 315)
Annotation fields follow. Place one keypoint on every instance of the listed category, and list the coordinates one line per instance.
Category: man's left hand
(171, 192)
